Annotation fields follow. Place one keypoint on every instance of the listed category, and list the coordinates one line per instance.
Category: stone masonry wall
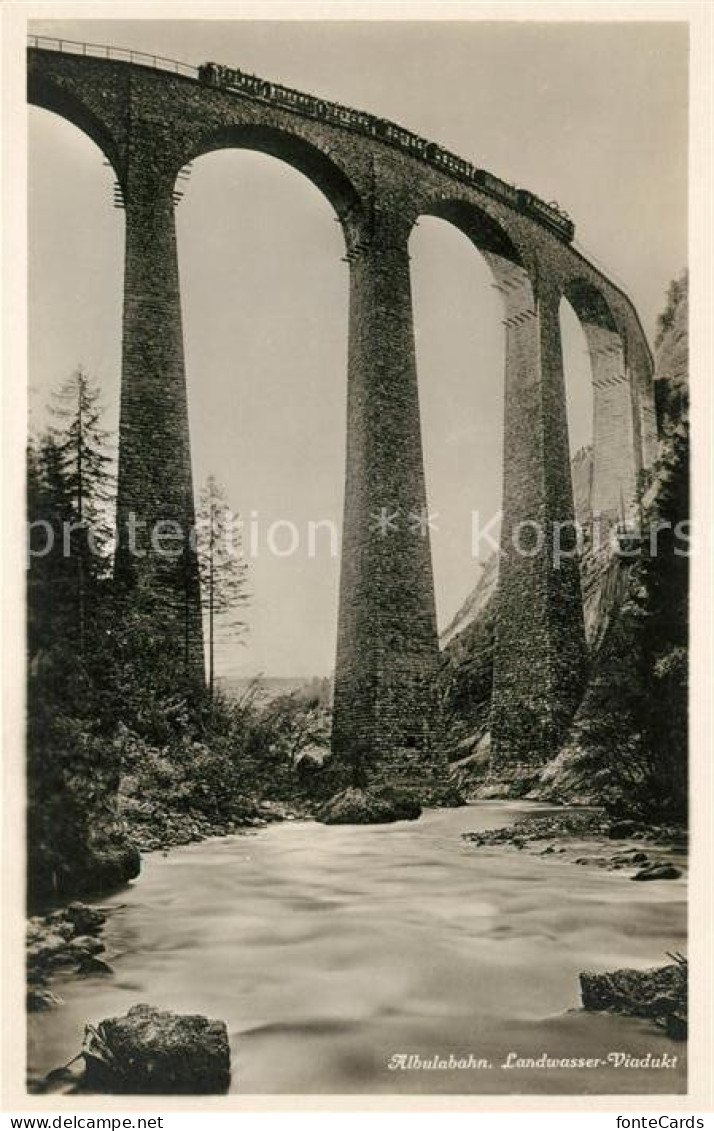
(539, 652)
(155, 489)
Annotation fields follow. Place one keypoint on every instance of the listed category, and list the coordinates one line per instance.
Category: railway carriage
(232, 79)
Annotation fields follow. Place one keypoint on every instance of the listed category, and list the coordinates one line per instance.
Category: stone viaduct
(151, 117)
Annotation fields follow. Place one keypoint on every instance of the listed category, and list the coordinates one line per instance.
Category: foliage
(222, 568)
(67, 536)
(296, 723)
(276, 743)
(677, 294)
(72, 773)
(112, 707)
(184, 776)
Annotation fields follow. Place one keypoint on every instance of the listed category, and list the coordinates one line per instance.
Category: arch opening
(294, 151)
(614, 462)
(482, 230)
(461, 366)
(75, 266)
(579, 401)
(264, 295)
(59, 100)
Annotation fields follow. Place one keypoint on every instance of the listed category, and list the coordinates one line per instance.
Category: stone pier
(387, 647)
(540, 654)
(155, 502)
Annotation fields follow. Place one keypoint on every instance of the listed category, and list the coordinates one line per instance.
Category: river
(331, 951)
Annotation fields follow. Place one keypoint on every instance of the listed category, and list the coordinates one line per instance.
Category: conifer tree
(222, 569)
(72, 772)
(71, 490)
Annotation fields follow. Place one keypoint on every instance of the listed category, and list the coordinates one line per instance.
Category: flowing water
(331, 951)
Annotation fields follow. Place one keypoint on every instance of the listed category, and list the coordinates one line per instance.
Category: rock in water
(89, 964)
(368, 807)
(621, 830)
(149, 1051)
(658, 872)
(85, 920)
(629, 859)
(659, 993)
(677, 1026)
(85, 944)
(40, 998)
(402, 803)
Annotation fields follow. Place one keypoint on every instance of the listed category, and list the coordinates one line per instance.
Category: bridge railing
(120, 54)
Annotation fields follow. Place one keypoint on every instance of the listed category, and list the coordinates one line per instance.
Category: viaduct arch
(150, 117)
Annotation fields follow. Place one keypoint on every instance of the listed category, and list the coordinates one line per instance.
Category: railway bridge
(151, 117)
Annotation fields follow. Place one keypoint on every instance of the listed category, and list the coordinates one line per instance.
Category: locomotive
(231, 79)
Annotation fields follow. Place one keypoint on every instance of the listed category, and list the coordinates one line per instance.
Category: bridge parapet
(115, 54)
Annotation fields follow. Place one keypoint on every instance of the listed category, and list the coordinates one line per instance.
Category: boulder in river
(85, 944)
(63, 939)
(658, 872)
(85, 920)
(40, 998)
(150, 1051)
(630, 859)
(368, 807)
(622, 829)
(92, 871)
(90, 964)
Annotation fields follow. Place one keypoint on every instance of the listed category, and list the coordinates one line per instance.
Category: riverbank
(591, 838)
(153, 828)
(66, 940)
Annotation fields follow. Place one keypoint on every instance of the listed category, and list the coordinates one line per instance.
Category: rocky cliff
(487, 582)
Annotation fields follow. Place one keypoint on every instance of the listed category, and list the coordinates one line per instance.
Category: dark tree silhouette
(76, 469)
(222, 568)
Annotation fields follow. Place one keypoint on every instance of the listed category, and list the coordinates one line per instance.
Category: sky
(593, 116)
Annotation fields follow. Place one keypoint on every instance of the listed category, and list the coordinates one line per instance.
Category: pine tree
(39, 532)
(72, 770)
(77, 481)
(222, 569)
(48, 508)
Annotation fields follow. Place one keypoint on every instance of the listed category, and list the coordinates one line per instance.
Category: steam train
(231, 79)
